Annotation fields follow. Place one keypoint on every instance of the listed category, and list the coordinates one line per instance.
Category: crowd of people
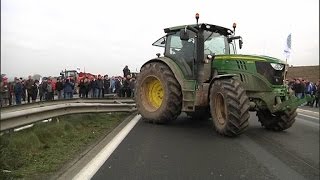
(302, 87)
(29, 90)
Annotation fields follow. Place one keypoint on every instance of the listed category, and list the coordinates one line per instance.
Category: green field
(40, 151)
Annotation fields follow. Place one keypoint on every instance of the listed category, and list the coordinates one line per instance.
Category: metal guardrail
(17, 116)
(76, 100)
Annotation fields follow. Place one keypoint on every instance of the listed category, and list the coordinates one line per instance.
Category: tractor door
(182, 52)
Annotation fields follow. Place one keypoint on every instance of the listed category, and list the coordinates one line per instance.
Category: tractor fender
(172, 65)
(223, 76)
(217, 77)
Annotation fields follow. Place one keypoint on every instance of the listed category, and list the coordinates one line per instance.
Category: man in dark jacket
(94, 88)
(106, 84)
(59, 88)
(100, 86)
(18, 90)
(28, 84)
(298, 89)
(126, 71)
(126, 91)
(34, 90)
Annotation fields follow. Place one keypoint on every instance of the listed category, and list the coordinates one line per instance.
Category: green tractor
(201, 74)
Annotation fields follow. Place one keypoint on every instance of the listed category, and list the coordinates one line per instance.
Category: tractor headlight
(277, 67)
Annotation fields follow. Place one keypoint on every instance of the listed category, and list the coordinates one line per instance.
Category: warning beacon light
(234, 27)
(197, 17)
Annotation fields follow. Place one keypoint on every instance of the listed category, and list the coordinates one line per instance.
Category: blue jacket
(18, 89)
(68, 87)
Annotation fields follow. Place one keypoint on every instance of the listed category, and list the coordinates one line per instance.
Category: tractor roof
(204, 26)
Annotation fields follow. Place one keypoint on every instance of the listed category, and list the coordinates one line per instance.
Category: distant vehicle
(76, 77)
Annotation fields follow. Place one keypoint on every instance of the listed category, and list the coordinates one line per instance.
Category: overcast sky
(46, 36)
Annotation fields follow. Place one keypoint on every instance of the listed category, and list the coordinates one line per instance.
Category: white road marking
(303, 110)
(94, 165)
(312, 117)
(312, 124)
(268, 160)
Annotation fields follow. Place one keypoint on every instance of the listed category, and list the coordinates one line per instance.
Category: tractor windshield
(215, 43)
(71, 73)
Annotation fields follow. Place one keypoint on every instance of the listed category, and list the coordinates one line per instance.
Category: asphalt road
(191, 149)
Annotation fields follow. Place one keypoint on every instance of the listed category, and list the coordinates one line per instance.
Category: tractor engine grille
(275, 77)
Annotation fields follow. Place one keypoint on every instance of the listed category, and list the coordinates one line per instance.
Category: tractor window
(231, 46)
(215, 43)
(182, 52)
(160, 42)
(71, 73)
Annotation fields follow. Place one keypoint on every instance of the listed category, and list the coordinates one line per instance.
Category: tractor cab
(193, 46)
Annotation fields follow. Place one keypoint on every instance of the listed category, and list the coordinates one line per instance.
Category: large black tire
(167, 103)
(229, 107)
(277, 122)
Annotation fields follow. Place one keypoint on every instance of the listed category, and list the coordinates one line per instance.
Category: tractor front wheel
(229, 107)
(277, 122)
(158, 93)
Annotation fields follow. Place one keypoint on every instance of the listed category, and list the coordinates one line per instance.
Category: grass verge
(38, 152)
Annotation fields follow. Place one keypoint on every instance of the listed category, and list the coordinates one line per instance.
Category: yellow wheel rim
(154, 91)
(221, 111)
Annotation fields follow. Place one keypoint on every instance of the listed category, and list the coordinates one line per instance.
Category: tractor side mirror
(184, 35)
(240, 43)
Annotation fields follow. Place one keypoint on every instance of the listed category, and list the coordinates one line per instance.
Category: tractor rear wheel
(277, 122)
(158, 93)
(229, 107)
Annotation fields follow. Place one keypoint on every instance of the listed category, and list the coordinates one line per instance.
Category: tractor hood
(249, 58)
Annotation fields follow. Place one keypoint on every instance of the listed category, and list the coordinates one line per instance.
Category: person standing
(4, 93)
(106, 84)
(126, 87)
(49, 90)
(18, 90)
(82, 89)
(100, 86)
(59, 88)
(132, 86)
(34, 90)
(298, 89)
(118, 86)
(87, 86)
(94, 87)
(68, 89)
(126, 71)
(28, 85)
(11, 93)
(112, 84)
(24, 90)
(43, 89)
